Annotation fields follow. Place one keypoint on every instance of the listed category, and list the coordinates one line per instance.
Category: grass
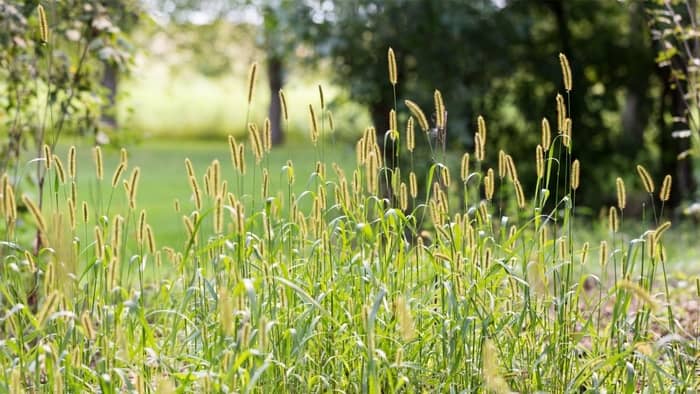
(324, 281)
(162, 181)
(179, 103)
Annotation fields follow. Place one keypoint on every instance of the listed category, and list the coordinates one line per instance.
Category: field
(233, 266)
(329, 286)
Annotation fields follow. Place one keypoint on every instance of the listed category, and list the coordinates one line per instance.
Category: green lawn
(164, 179)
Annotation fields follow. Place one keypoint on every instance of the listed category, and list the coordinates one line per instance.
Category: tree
(499, 59)
(281, 23)
(675, 32)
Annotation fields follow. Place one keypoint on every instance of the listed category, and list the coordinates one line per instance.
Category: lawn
(164, 178)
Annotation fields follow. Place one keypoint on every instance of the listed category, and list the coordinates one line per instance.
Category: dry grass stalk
(665, 192)
(621, 194)
(252, 76)
(565, 72)
(546, 134)
(647, 182)
(43, 24)
(439, 110)
(464, 167)
(575, 174)
(393, 73)
(283, 102)
(418, 114)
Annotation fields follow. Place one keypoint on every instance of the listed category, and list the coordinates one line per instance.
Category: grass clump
(355, 283)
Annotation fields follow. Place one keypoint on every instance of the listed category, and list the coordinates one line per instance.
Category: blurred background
(125, 72)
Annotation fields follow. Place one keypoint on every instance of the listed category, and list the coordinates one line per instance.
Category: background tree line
(497, 58)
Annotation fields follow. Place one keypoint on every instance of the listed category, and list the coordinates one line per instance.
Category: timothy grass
(337, 278)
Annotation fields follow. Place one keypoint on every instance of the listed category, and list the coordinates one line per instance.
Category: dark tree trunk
(275, 75)
(110, 81)
(637, 108)
(682, 170)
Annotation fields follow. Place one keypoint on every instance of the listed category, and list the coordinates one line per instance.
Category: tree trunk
(275, 75)
(110, 80)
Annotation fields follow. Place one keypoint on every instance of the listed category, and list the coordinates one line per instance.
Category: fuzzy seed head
(584, 253)
(252, 76)
(393, 74)
(603, 253)
(566, 133)
(218, 215)
(241, 159)
(403, 196)
(410, 135)
(124, 157)
(575, 170)
(418, 114)
(561, 113)
(501, 164)
(283, 102)
(36, 213)
(565, 71)
(118, 174)
(439, 110)
(314, 124)
(47, 156)
(665, 193)
(133, 186)
(489, 184)
(43, 24)
(613, 222)
(413, 184)
(539, 159)
(519, 194)
(197, 193)
(621, 195)
(71, 162)
(265, 183)
(255, 142)
(445, 176)
(464, 167)
(478, 148)
(546, 134)
(320, 95)
(60, 171)
(97, 157)
(150, 240)
(71, 213)
(647, 182)
(86, 212)
(267, 136)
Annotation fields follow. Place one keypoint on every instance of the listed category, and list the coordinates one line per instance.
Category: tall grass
(357, 284)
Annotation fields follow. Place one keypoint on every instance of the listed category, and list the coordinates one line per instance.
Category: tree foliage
(494, 59)
(52, 86)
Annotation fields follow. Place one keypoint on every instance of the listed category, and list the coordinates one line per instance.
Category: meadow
(235, 267)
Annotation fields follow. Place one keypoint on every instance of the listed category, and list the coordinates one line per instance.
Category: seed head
(665, 193)
(646, 179)
(410, 136)
(43, 24)
(418, 114)
(252, 75)
(464, 168)
(621, 196)
(546, 134)
(565, 71)
(439, 110)
(393, 74)
(575, 169)
(561, 113)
